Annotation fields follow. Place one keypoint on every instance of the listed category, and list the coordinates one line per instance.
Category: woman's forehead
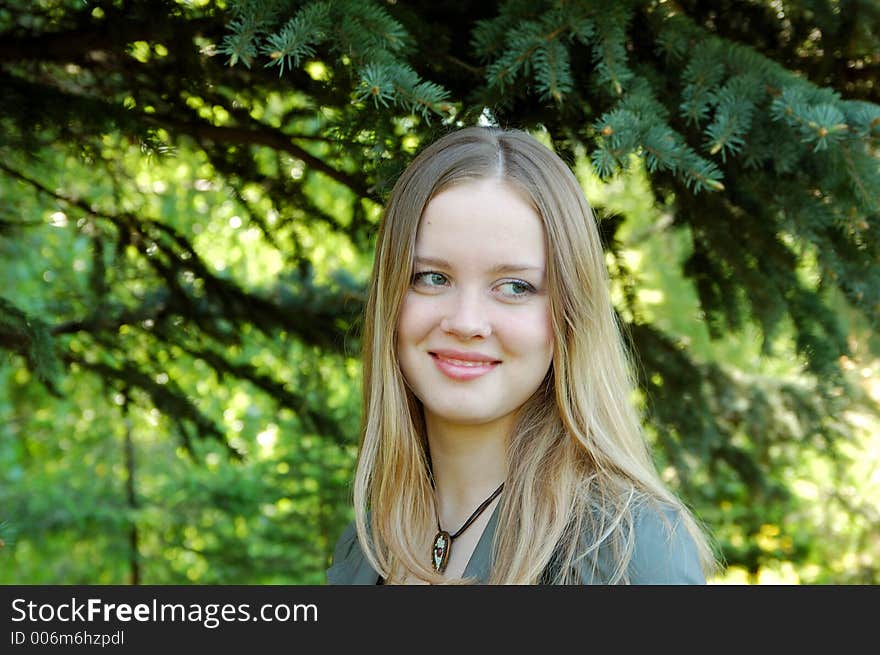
(464, 230)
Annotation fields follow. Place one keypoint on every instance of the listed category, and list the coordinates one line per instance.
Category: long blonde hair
(578, 462)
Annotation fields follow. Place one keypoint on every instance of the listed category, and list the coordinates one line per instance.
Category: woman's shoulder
(663, 551)
(344, 552)
(349, 565)
(346, 542)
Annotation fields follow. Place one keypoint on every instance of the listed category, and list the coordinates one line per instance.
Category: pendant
(440, 551)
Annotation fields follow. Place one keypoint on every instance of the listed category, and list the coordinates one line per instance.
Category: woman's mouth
(462, 369)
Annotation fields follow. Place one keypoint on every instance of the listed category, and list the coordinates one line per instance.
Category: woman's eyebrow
(515, 268)
(498, 268)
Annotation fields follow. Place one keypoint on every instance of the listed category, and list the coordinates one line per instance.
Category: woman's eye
(429, 279)
(517, 289)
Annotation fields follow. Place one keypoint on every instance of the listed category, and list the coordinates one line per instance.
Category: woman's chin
(464, 415)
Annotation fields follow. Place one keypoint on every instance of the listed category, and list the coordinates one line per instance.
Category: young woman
(499, 443)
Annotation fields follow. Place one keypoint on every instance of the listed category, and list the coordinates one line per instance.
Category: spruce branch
(170, 254)
(167, 397)
(367, 36)
(609, 50)
(696, 96)
(315, 421)
(553, 71)
(400, 84)
(489, 36)
(732, 121)
(30, 337)
(256, 133)
(296, 40)
(252, 19)
(515, 43)
(637, 125)
(820, 124)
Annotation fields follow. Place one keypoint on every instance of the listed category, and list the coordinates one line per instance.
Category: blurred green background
(188, 197)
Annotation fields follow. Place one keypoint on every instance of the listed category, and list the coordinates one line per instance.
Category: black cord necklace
(442, 545)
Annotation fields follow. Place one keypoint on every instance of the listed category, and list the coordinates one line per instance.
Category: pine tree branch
(528, 52)
(258, 134)
(315, 421)
(30, 337)
(225, 300)
(475, 71)
(94, 42)
(168, 398)
(253, 134)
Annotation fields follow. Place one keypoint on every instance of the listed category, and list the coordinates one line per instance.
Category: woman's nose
(466, 317)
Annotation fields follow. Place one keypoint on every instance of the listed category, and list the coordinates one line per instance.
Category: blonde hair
(578, 462)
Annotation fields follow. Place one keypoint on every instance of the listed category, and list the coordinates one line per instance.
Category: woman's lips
(459, 369)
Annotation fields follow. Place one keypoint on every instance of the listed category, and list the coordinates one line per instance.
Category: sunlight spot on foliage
(410, 142)
(806, 489)
(317, 70)
(140, 50)
(194, 102)
(734, 575)
(252, 235)
(632, 258)
(58, 219)
(858, 419)
(650, 296)
(784, 574)
(267, 440)
(220, 115)
(768, 537)
(241, 527)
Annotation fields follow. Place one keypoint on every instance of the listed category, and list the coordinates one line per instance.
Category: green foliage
(363, 34)
(190, 195)
(30, 337)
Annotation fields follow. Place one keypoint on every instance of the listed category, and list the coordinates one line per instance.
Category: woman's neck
(468, 463)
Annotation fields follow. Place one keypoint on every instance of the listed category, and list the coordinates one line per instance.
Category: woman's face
(474, 339)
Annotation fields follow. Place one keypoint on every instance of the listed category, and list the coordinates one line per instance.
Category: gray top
(661, 556)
